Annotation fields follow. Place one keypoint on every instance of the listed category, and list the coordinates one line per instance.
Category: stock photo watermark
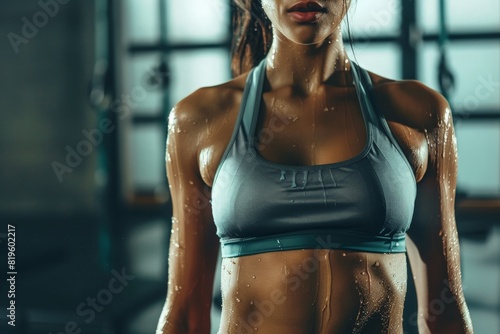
(30, 26)
(11, 275)
(436, 307)
(486, 87)
(379, 19)
(87, 310)
(93, 138)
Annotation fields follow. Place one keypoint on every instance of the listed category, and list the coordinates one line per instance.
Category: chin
(306, 36)
(301, 40)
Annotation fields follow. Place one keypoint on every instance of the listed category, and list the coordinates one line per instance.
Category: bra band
(313, 240)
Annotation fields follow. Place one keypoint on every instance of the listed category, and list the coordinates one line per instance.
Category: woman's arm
(193, 245)
(433, 247)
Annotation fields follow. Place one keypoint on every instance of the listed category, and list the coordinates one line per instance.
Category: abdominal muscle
(316, 291)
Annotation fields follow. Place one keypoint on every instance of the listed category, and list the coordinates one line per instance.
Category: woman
(311, 183)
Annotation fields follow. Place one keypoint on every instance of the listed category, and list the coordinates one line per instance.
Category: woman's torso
(313, 291)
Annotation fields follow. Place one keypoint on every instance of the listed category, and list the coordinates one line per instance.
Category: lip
(307, 6)
(306, 11)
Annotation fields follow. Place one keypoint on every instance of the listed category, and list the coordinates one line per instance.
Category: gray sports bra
(364, 204)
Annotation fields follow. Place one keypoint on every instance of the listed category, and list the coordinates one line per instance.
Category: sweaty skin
(313, 291)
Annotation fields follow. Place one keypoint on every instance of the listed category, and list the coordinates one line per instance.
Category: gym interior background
(85, 90)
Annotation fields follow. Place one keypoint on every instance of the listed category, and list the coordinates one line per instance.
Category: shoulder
(419, 117)
(200, 125)
(205, 107)
(410, 102)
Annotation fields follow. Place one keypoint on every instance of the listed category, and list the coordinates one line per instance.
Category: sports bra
(363, 204)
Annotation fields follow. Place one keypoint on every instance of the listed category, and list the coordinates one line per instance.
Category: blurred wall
(46, 60)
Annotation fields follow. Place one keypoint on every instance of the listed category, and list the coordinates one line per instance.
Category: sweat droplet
(253, 276)
(377, 263)
(326, 109)
(238, 300)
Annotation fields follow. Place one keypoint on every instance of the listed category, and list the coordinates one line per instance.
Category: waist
(317, 239)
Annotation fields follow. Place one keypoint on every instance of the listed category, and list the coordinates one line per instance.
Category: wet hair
(252, 35)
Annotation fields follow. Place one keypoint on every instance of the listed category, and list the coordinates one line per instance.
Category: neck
(306, 67)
